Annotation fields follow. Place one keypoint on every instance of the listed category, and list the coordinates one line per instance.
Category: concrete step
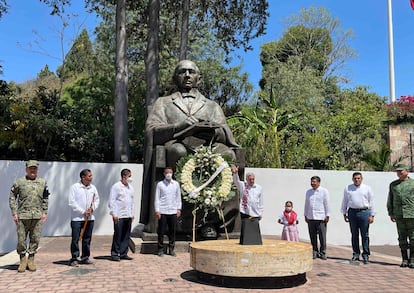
(147, 244)
(138, 245)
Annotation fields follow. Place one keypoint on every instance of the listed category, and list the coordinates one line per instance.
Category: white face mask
(168, 176)
(129, 180)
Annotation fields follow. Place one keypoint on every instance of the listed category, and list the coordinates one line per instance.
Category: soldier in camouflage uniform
(400, 205)
(29, 203)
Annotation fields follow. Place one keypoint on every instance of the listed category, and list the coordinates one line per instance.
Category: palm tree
(257, 129)
(381, 160)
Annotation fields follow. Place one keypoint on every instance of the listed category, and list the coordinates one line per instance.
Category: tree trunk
(121, 145)
(152, 55)
(184, 29)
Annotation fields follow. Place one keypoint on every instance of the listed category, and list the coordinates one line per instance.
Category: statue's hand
(190, 120)
(192, 126)
(207, 124)
(185, 127)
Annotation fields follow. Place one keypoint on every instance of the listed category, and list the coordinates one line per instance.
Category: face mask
(129, 180)
(168, 176)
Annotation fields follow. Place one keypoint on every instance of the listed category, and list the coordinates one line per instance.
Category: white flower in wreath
(186, 176)
(211, 196)
(226, 181)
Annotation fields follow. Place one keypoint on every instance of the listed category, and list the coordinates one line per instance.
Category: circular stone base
(275, 258)
(252, 282)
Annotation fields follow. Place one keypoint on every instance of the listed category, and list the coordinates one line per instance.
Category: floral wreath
(206, 180)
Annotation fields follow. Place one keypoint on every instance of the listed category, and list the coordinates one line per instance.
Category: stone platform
(146, 243)
(275, 258)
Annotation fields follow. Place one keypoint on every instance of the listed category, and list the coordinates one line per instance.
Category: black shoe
(404, 263)
(323, 257)
(365, 261)
(314, 255)
(74, 263)
(115, 258)
(411, 265)
(172, 253)
(160, 253)
(355, 259)
(126, 257)
(86, 261)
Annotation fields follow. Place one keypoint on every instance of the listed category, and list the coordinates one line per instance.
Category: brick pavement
(150, 273)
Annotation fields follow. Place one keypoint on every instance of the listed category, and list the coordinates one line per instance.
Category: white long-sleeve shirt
(317, 204)
(80, 199)
(167, 197)
(358, 197)
(254, 205)
(121, 200)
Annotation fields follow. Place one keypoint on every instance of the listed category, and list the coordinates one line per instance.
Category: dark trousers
(358, 221)
(317, 228)
(170, 222)
(86, 239)
(250, 230)
(120, 240)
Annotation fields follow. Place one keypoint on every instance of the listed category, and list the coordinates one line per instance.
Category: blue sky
(367, 19)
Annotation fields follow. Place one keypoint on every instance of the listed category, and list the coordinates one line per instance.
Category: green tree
(356, 126)
(45, 73)
(80, 58)
(5, 94)
(309, 46)
(88, 108)
(206, 35)
(257, 128)
(341, 52)
(380, 160)
(33, 122)
(331, 128)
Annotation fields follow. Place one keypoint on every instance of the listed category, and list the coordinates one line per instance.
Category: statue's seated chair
(213, 225)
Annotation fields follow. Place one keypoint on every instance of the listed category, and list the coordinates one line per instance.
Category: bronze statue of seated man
(182, 122)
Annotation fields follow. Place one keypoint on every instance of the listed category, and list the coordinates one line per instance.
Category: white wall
(60, 176)
(279, 186)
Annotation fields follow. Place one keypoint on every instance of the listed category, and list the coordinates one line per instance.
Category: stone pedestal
(275, 258)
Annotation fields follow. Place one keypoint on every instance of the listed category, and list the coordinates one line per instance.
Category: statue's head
(186, 75)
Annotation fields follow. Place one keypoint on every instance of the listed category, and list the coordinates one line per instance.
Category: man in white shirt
(167, 206)
(121, 208)
(359, 210)
(317, 216)
(83, 201)
(251, 208)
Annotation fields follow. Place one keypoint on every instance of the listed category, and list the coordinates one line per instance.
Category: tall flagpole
(391, 53)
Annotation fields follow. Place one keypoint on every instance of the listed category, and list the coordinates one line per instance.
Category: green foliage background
(303, 116)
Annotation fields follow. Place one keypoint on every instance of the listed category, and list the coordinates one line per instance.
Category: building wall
(401, 139)
(279, 186)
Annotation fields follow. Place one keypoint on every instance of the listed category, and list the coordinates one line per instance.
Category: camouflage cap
(32, 163)
(401, 167)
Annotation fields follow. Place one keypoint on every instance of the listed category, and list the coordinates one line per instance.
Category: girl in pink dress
(289, 220)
